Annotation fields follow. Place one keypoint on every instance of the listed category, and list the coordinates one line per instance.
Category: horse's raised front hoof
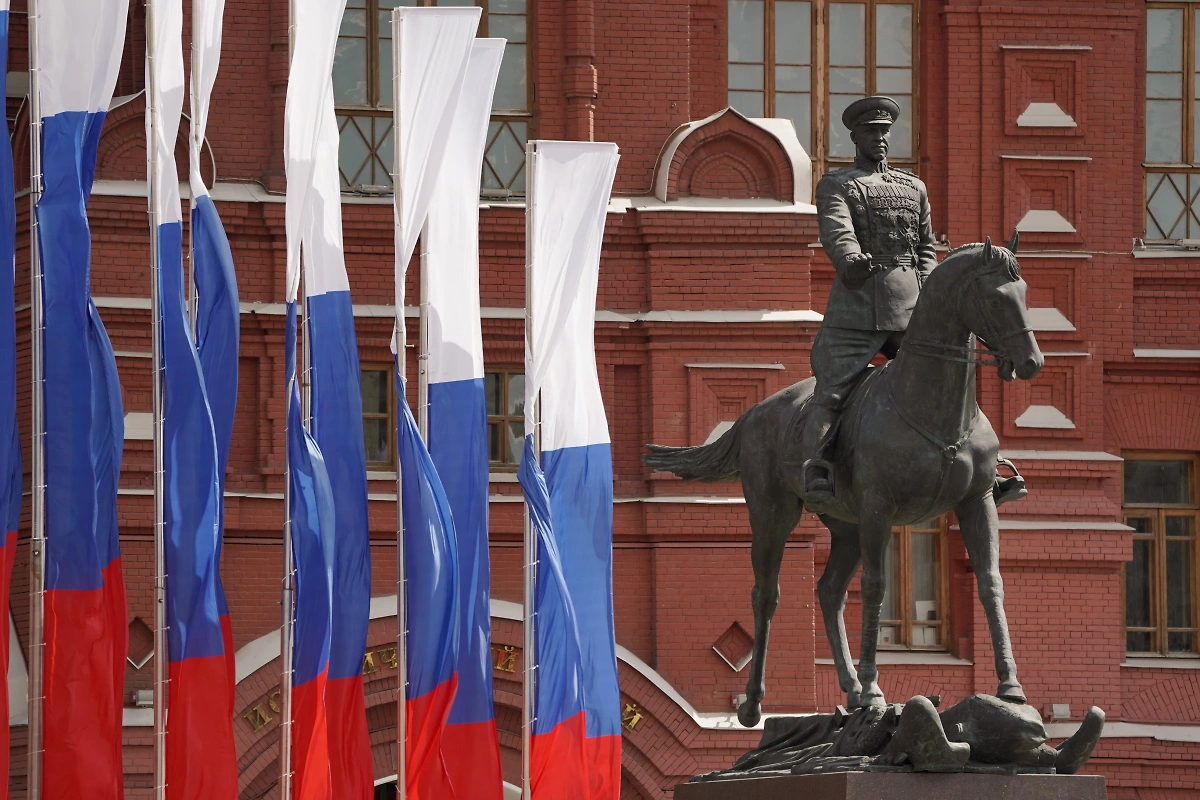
(749, 713)
(1011, 691)
(871, 695)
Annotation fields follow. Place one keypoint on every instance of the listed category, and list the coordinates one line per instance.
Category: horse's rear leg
(843, 562)
(981, 535)
(774, 512)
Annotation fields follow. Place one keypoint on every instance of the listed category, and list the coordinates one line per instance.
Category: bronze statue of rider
(875, 228)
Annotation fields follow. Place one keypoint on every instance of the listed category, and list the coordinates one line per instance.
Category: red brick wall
(681, 569)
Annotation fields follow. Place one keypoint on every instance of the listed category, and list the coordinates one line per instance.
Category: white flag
(432, 48)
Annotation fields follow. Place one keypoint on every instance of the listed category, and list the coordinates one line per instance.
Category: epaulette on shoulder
(841, 174)
(903, 176)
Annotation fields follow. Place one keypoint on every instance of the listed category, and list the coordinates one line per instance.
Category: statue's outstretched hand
(857, 268)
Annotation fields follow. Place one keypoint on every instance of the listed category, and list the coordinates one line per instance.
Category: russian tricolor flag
(311, 516)
(79, 50)
(336, 408)
(430, 567)
(10, 455)
(201, 758)
(576, 737)
(218, 313)
(332, 747)
(457, 417)
(432, 47)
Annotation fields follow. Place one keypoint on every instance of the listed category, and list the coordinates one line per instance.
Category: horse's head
(993, 307)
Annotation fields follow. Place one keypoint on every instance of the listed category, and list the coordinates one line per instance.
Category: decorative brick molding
(728, 156)
(1044, 90)
(1153, 418)
(720, 394)
(1173, 698)
(1049, 405)
(122, 148)
(1044, 198)
(1053, 283)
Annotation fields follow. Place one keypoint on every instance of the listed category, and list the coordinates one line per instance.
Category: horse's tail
(716, 461)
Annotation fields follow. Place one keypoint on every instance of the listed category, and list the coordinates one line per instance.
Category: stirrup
(1008, 489)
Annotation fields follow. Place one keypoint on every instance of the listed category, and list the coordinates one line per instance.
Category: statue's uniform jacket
(869, 208)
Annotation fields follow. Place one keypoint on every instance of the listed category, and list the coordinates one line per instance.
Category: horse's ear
(987, 252)
(1012, 243)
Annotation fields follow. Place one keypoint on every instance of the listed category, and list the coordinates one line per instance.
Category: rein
(966, 354)
(956, 352)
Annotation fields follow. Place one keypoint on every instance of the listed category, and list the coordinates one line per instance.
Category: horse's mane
(1003, 259)
(963, 247)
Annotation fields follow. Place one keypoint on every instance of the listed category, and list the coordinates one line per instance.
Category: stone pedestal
(899, 786)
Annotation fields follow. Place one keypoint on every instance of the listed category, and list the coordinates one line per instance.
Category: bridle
(988, 355)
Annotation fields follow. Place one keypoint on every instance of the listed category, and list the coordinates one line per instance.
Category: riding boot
(816, 472)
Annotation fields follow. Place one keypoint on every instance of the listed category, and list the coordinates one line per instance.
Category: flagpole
(401, 335)
(160, 586)
(287, 632)
(528, 679)
(423, 333)
(37, 555)
(193, 152)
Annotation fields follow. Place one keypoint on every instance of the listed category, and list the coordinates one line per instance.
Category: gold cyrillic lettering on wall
(257, 718)
(631, 716)
(506, 658)
(373, 662)
(389, 657)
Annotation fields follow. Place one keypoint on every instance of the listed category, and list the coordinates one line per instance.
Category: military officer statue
(875, 228)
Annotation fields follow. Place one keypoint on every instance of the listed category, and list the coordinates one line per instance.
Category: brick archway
(662, 733)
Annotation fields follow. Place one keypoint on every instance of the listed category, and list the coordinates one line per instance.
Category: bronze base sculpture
(891, 786)
(991, 745)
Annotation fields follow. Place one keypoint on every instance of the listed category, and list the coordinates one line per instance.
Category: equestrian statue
(867, 449)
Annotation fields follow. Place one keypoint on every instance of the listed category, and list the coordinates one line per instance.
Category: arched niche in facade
(121, 152)
(730, 156)
(661, 731)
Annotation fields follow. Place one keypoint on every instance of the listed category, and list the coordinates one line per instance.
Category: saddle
(848, 422)
(845, 432)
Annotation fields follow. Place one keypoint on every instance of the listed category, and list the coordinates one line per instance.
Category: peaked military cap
(876, 110)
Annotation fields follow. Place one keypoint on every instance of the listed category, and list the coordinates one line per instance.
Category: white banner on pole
(432, 46)
(310, 147)
(450, 274)
(570, 190)
(167, 103)
(206, 59)
(77, 62)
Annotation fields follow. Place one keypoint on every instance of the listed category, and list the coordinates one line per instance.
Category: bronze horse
(912, 444)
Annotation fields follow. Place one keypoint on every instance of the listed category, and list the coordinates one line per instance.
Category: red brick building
(1067, 119)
